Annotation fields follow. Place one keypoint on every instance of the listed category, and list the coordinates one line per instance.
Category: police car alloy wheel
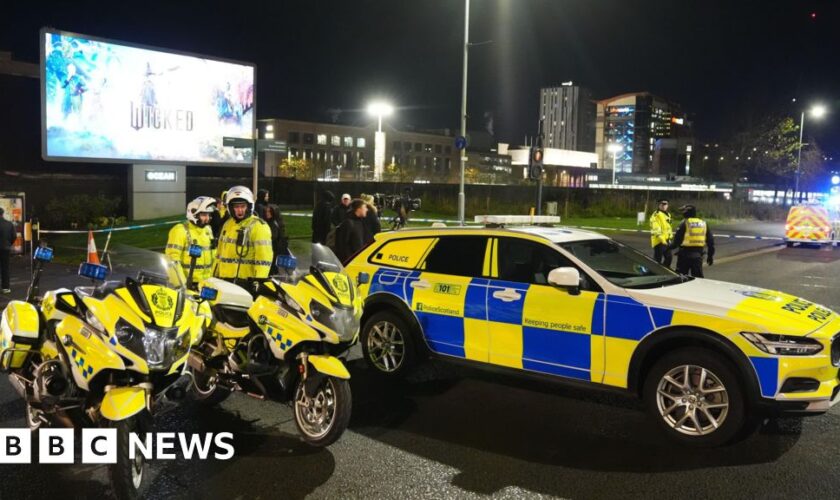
(387, 343)
(694, 396)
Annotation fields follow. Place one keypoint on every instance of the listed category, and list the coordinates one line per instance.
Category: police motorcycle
(109, 355)
(282, 342)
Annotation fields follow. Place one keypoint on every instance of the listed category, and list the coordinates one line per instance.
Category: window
(294, 137)
(448, 150)
(621, 265)
(335, 141)
(360, 142)
(438, 149)
(407, 146)
(525, 261)
(348, 142)
(308, 138)
(418, 147)
(428, 148)
(457, 255)
(397, 146)
(322, 139)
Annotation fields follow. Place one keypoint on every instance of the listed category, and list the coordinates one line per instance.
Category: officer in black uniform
(691, 237)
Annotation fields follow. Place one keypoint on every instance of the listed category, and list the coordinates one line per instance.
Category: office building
(568, 116)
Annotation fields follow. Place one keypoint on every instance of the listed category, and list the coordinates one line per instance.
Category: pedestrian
(262, 202)
(8, 236)
(321, 217)
(372, 224)
(350, 235)
(339, 213)
(692, 235)
(218, 217)
(195, 231)
(279, 240)
(661, 234)
(245, 243)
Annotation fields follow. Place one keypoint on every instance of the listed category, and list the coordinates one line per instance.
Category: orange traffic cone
(92, 256)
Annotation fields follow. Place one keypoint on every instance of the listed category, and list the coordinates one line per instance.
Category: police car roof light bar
(500, 220)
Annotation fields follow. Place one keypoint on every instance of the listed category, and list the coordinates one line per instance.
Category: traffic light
(535, 163)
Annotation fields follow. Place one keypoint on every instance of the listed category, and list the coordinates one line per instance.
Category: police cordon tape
(124, 228)
(597, 228)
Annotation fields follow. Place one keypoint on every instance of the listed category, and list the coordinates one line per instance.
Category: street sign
(460, 142)
(237, 142)
(271, 146)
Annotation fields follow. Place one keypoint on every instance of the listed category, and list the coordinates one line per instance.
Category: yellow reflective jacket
(253, 259)
(181, 236)
(695, 233)
(660, 228)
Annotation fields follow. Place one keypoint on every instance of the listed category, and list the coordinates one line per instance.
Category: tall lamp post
(379, 109)
(461, 195)
(817, 111)
(614, 148)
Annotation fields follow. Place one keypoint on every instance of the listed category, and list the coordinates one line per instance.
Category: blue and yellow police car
(707, 357)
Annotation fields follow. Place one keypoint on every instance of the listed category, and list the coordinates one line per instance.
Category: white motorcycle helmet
(240, 194)
(200, 205)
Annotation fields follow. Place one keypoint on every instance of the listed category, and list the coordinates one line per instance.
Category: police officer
(245, 242)
(195, 231)
(661, 234)
(692, 235)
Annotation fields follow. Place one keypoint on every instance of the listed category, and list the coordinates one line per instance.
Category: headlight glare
(783, 345)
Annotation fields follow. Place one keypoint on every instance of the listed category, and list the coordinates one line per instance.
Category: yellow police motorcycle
(282, 342)
(109, 355)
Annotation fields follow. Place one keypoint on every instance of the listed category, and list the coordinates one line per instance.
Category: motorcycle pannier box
(19, 329)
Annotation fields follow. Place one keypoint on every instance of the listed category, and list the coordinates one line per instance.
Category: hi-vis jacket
(181, 236)
(660, 228)
(255, 256)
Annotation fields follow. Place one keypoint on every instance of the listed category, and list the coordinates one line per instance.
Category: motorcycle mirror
(43, 254)
(362, 279)
(208, 293)
(93, 271)
(195, 250)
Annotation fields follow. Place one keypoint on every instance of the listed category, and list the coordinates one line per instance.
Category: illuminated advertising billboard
(114, 102)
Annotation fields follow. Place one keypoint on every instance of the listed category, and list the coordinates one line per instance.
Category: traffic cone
(92, 256)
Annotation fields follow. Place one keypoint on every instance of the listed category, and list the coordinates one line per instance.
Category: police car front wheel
(388, 344)
(695, 397)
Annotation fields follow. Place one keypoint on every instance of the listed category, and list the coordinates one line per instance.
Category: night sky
(727, 62)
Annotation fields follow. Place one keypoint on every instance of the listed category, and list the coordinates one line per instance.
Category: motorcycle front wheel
(322, 419)
(129, 476)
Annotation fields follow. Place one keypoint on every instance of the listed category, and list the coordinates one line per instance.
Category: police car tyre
(206, 391)
(694, 396)
(322, 419)
(388, 344)
(129, 477)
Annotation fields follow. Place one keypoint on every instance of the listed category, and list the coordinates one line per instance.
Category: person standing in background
(321, 224)
(8, 235)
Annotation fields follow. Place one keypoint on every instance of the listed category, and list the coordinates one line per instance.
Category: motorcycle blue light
(44, 254)
(93, 271)
(208, 293)
(286, 262)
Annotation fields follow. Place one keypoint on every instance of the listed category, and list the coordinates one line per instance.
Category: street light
(379, 109)
(613, 148)
(818, 111)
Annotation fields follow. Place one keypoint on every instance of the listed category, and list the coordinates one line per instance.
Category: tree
(297, 168)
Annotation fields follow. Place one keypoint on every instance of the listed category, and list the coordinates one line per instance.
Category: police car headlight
(784, 345)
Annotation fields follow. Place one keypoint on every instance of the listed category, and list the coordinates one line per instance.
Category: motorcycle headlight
(340, 320)
(784, 345)
(160, 347)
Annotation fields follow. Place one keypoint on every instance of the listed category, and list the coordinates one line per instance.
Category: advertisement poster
(12, 205)
(112, 102)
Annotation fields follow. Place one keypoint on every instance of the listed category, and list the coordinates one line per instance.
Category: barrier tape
(124, 228)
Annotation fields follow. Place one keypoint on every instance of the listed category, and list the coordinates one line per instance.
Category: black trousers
(662, 254)
(690, 265)
(4, 268)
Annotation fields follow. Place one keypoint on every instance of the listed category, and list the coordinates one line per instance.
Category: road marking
(745, 255)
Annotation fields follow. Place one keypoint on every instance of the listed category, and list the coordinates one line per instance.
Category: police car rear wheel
(695, 397)
(388, 344)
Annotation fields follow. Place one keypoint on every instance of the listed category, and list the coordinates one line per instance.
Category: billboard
(110, 101)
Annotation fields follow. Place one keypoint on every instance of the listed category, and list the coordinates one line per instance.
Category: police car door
(536, 326)
(449, 296)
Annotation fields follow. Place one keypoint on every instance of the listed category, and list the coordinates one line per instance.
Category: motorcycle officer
(245, 241)
(195, 231)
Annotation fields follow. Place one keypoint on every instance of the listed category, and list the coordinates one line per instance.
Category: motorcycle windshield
(335, 279)
(147, 268)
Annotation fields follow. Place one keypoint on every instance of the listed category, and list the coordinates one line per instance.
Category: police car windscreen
(622, 265)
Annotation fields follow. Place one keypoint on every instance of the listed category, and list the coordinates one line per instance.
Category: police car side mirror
(565, 277)
(362, 279)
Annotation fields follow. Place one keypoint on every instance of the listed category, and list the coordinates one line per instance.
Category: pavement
(460, 433)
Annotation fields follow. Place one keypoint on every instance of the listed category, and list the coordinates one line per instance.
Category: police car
(707, 357)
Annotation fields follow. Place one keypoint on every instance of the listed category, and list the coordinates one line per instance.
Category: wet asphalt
(451, 432)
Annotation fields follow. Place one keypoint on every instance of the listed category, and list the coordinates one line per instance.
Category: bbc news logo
(99, 446)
